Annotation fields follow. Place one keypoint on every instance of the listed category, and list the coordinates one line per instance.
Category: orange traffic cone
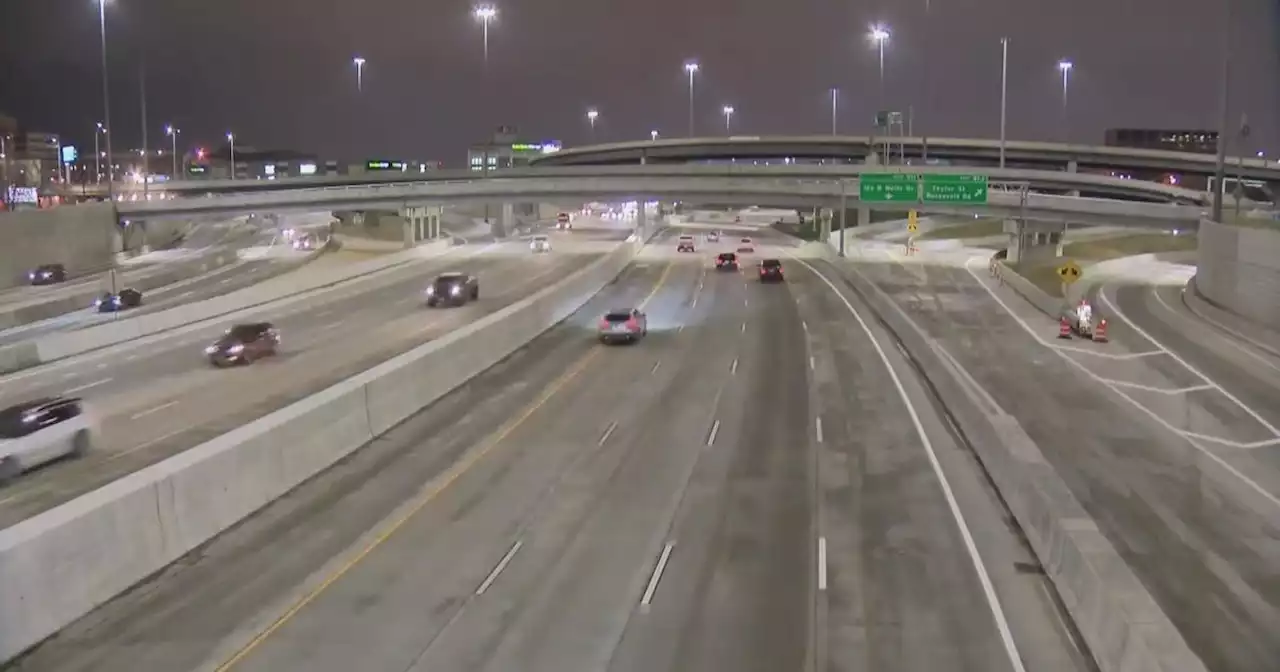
(1064, 328)
(1100, 332)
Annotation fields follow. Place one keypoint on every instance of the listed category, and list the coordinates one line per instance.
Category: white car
(746, 245)
(540, 244)
(40, 431)
(685, 244)
(713, 237)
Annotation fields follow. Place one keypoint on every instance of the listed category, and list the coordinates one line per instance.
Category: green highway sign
(887, 187)
(954, 189)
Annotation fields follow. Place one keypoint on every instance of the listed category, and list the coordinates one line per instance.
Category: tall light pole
(100, 130)
(835, 94)
(359, 63)
(231, 138)
(1065, 67)
(1004, 93)
(486, 13)
(173, 147)
(106, 98)
(691, 67)
(592, 115)
(880, 35)
(1220, 170)
(728, 116)
(653, 136)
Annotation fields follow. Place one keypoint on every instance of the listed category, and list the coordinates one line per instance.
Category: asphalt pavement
(156, 401)
(1140, 440)
(744, 489)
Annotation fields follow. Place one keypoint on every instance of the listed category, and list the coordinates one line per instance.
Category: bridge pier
(1073, 167)
(1032, 241)
(420, 224)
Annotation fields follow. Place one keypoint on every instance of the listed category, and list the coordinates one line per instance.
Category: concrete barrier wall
(1049, 305)
(81, 237)
(1239, 270)
(1121, 622)
(61, 564)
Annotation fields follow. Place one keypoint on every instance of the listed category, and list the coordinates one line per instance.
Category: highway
(742, 490)
(1142, 442)
(157, 400)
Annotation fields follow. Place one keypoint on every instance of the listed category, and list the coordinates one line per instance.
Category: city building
(507, 150)
(1172, 140)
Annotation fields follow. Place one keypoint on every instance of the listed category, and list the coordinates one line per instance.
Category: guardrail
(820, 185)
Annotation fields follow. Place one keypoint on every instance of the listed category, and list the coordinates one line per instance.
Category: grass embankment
(1044, 273)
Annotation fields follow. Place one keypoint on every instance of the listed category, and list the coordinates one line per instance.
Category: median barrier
(59, 565)
(64, 344)
(1037, 297)
(1120, 621)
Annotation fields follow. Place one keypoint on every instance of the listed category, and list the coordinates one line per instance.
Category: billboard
(69, 154)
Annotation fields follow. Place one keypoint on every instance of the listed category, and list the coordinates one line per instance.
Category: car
(624, 325)
(771, 271)
(112, 303)
(47, 274)
(453, 289)
(727, 261)
(746, 245)
(305, 241)
(243, 344)
(564, 222)
(713, 237)
(40, 431)
(685, 244)
(540, 244)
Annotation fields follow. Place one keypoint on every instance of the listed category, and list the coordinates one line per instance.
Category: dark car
(47, 274)
(771, 270)
(453, 289)
(727, 261)
(624, 325)
(111, 303)
(244, 343)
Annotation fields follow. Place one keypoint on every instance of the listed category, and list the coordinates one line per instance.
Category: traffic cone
(1100, 332)
(1064, 328)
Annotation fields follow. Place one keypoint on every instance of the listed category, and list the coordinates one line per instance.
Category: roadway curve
(517, 523)
(156, 400)
(1202, 541)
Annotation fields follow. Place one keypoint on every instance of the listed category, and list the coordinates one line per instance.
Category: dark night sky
(279, 72)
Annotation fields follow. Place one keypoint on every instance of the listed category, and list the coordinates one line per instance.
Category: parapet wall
(1239, 270)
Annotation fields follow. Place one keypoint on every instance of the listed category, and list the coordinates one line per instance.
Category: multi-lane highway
(156, 399)
(1178, 469)
(748, 488)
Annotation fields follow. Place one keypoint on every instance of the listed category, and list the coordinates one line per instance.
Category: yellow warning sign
(913, 221)
(1069, 271)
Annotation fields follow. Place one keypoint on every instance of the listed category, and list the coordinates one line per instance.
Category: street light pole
(728, 116)
(231, 138)
(881, 35)
(653, 136)
(592, 114)
(97, 153)
(146, 151)
(1065, 66)
(359, 62)
(173, 147)
(834, 96)
(1004, 93)
(691, 67)
(486, 13)
(106, 99)
(1220, 169)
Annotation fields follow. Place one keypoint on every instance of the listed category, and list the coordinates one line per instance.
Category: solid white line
(1187, 365)
(223, 282)
(744, 328)
(153, 409)
(1098, 353)
(745, 302)
(1157, 390)
(655, 366)
(822, 563)
(607, 433)
(657, 575)
(695, 303)
(811, 364)
(1229, 341)
(1252, 484)
(804, 325)
(733, 368)
(502, 564)
(988, 589)
(715, 429)
(82, 388)
(817, 426)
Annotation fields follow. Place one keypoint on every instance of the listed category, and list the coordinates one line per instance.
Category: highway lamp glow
(485, 14)
(1065, 67)
(691, 67)
(172, 132)
(727, 110)
(592, 115)
(653, 135)
(99, 131)
(880, 35)
(359, 63)
(231, 138)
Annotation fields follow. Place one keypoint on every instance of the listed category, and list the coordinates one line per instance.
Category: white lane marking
(146, 444)
(804, 325)
(1253, 485)
(817, 426)
(679, 328)
(329, 311)
(70, 374)
(650, 589)
(811, 367)
(733, 368)
(1187, 365)
(695, 303)
(744, 328)
(607, 433)
(103, 365)
(1097, 353)
(502, 564)
(746, 302)
(82, 388)
(1155, 291)
(988, 589)
(184, 294)
(223, 282)
(1157, 390)
(715, 429)
(331, 325)
(153, 409)
(655, 366)
(822, 563)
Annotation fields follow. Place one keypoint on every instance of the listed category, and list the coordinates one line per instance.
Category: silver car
(40, 431)
(626, 325)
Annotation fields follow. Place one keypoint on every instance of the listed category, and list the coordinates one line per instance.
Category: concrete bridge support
(420, 224)
(1033, 241)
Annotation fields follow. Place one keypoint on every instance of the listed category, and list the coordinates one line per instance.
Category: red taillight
(632, 323)
(604, 324)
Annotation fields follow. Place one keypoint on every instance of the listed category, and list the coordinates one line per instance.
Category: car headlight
(31, 276)
(456, 289)
(97, 303)
(236, 349)
(210, 350)
(46, 274)
(115, 300)
(431, 290)
(30, 417)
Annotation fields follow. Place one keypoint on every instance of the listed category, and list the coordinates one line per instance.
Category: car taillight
(632, 323)
(604, 324)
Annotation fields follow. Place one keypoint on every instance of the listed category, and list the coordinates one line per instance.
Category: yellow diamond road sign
(1069, 272)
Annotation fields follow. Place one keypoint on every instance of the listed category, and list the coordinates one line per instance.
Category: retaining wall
(1239, 270)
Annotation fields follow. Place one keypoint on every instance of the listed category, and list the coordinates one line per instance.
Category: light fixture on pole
(106, 98)
(486, 13)
(231, 138)
(728, 116)
(173, 147)
(880, 35)
(1004, 93)
(1065, 67)
(835, 94)
(359, 63)
(653, 135)
(692, 68)
(592, 115)
(97, 152)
